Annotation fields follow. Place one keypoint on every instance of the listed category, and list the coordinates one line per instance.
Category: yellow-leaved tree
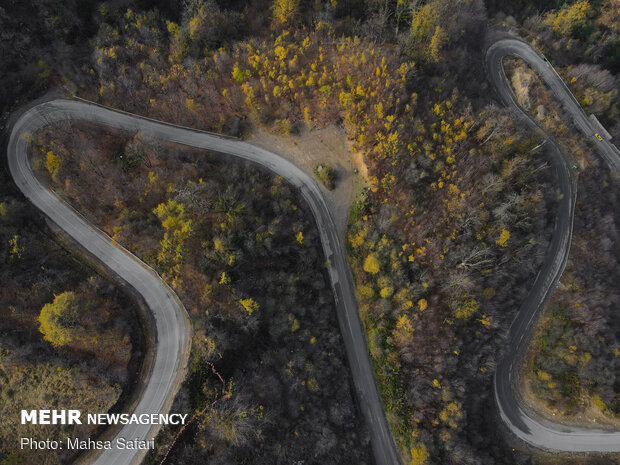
(423, 24)
(371, 264)
(419, 454)
(467, 308)
(57, 319)
(569, 18)
(249, 304)
(177, 232)
(284, 12)
(503, 238)
(52, 163)
(403, 333)
(437, 43)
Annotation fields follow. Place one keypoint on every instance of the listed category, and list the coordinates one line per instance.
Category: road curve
(171, 321)
(523, 423)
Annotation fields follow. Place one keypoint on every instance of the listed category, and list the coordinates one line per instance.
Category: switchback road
(523, 423)
(172, 326)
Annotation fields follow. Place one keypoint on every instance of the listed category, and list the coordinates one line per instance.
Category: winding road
(172, 325)
(173, 330)
(523, 423)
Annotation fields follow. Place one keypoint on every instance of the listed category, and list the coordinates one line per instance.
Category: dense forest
(444, 244)
(243, 254)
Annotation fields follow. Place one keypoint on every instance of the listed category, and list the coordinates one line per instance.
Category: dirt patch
(309, 148)
(522, 80)
(360, 164)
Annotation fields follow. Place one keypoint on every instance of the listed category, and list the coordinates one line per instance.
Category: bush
(326, 174)
(58, 317)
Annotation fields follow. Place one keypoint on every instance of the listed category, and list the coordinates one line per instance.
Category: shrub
(326, 174)
(57, 318)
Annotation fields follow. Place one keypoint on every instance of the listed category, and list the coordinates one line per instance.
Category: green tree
(57, 318)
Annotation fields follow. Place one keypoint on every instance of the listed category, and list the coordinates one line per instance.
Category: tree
(178, 229)
(326, 174)
(249, 304)
(419, 454)
(16, 248)
(230, 422)
(437, 43)
(178, 43)
(206, 26)
(403, 9)
(52, 163)
(451, 414)
(57, 319)
(371, 264)
(134, 154)
(569, 19)
(423, 24)
(284, 12)
(503, 238)
(404, 330)
(467, 308)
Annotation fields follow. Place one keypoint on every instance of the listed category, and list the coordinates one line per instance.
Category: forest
(68, 336)
(443, 244)
(241, 251)
(573, 363)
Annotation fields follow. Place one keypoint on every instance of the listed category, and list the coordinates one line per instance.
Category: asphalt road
(171, 321)
(172, 326)
(522, 422)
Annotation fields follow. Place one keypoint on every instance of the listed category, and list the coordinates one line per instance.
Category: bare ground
(311, 147)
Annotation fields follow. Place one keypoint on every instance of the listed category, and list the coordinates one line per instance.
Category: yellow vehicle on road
(597, 135)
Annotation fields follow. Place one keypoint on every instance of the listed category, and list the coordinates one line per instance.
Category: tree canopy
(57, 318)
